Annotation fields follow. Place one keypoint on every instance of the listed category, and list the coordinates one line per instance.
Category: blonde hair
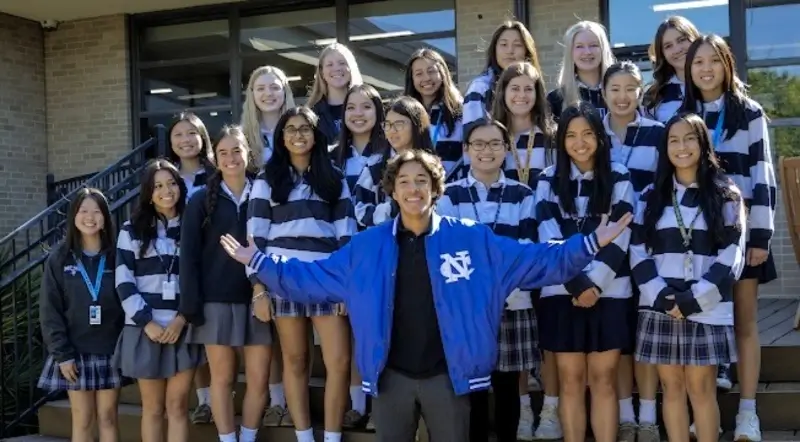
(566, 76)
(251, 114)
(319, 89)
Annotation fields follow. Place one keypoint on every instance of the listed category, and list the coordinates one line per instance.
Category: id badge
(95, 317)
(168, 291)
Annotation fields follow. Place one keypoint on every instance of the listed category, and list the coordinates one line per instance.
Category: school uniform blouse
(355, 163)
(703, 291)
(609, 272)
(591, 94)
(195, 181)
(506, 207)
(140, 278)
(305, 227)
(447, 143)
(670, 100)
(372, 205)
(533, 155)
(746, 158)
(479, 97)
(638, 152)
(268, 138)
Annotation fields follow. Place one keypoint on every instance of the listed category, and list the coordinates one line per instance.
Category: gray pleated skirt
(232, 325)
(140, 358)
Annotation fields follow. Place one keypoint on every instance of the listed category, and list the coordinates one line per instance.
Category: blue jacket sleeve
(533, 266)
(322, 281)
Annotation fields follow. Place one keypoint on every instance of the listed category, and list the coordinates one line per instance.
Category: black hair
(205, 141)
(108, 234)
(603, 184)
(324, 178)
(377, 137)
(144, 221)
(626, 67)
(712, 184)
(487, 122)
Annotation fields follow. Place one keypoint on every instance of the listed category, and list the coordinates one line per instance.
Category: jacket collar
(436, 220)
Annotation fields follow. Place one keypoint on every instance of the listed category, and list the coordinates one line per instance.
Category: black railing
(22, 256)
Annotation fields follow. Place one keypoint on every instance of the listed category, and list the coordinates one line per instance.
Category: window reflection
(299, 67)
(399, 18)
(288, 30)
(188, 40)
(168, 88)
(772, 32)
(634, 22)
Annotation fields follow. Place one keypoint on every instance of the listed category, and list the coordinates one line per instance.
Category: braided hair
(214, 183)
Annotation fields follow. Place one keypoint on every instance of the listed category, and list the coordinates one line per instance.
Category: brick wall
(88, 99)
(475, 22)
(23, 145)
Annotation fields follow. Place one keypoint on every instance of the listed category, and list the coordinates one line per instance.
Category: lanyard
(168, 269)
(472, 199)
(524, 171)
(718, 128)
(435, 129)
(94, 289)
(685, 234)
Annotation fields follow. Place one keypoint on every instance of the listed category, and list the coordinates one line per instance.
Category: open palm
(243, 254)
(608, 231)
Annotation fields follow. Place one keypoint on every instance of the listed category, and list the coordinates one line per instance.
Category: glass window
(634, 22)
(383, 66)
(777, 89)
(188, 40)
(772, 31)
(400, 18)
(213, 121)
(175, 88)
(299, 67)
(288, 30)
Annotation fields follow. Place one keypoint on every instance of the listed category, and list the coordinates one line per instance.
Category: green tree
(779, 94)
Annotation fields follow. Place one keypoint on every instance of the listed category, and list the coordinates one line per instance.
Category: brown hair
(428, 161)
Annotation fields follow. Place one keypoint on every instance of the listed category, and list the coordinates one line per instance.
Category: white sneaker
(525, 427)
(693, 431)
(549, 426)
(748, 427)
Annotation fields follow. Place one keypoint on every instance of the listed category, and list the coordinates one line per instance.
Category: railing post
(161, 141)
(51, 187)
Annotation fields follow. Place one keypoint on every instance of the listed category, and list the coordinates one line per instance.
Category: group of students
(688, 156)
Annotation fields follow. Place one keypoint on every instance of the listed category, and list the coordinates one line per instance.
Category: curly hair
(429, 162)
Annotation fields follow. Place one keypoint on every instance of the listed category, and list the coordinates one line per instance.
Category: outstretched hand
(608, 231)
(241, 253)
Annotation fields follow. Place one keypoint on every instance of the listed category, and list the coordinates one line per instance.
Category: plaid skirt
(291, 309)
(664, 340)
(518, 342)
(95, 372)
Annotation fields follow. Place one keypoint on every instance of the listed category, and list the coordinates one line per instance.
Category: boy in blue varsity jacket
(426, 316)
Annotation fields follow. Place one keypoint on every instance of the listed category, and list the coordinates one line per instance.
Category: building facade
(82, 83)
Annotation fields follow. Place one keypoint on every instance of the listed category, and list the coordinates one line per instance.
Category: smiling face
(683, 146)
(621, 93)
(580, 142)
(426, 77)
(185, 140)
(520, 95)
(398, 131)
(412, 189)
(269, 93)
(335, 70)
(586, 52)
(298, 136)
(89, 218)
(359, 114)
(231, 157)
(486, 149)
(708, 71)
(675, 45)
(166, 192)
(509, 48)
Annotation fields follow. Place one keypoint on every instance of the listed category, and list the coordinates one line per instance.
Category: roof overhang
(66, 10)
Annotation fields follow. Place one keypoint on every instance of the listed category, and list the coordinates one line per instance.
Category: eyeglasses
(495, 145)
(395, 126)
(292, 131)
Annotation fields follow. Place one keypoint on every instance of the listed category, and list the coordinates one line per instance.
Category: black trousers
(506, 409)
